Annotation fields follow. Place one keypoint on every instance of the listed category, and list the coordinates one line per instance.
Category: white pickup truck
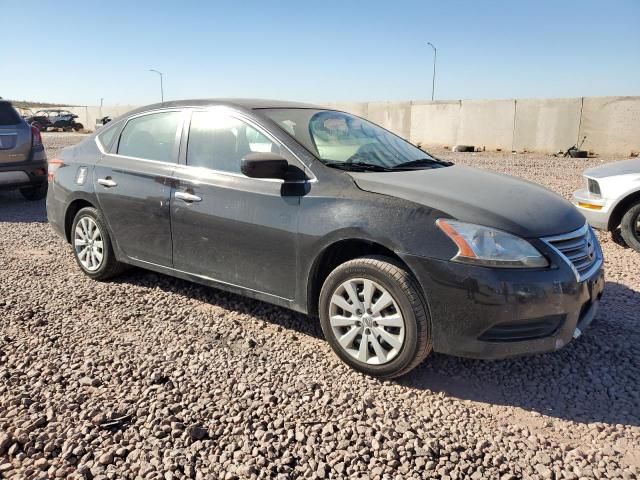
(611, 199)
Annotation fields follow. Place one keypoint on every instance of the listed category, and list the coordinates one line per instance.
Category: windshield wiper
(358, 166)
(423, 162)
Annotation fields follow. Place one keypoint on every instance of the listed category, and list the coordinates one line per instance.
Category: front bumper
(32, 172)
(490, 313)
(597, 213)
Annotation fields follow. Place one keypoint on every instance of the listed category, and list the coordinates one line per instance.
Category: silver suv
(23, 161)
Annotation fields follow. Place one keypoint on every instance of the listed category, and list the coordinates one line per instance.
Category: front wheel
(374, 317)
(630, 226)
(92, 246)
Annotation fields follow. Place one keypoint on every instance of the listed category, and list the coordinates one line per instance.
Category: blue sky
(77, 52)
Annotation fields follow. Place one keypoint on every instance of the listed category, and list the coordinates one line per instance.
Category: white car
(611, 199)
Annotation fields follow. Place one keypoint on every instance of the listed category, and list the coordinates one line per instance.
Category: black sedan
(398, 252)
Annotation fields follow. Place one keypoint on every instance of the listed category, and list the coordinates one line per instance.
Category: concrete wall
(611, 124)
(394, 116)
(487, 123)
(546, 125)
(435, 123)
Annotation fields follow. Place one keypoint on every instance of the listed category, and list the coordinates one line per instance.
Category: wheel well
(337, 254)
(618, 212)
(70, 214)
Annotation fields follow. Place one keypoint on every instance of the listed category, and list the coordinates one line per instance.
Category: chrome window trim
(150, 112)
(236, 113)
(228, 174)
(99, 145)
(581, 232)
(142, 159)
(104, 129)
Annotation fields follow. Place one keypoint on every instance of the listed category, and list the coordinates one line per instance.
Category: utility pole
(161, 88)
(433, 81)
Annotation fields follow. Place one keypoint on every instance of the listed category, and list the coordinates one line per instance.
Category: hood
(479, 196)
(622, 167)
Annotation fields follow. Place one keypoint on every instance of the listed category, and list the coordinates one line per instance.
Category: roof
(246, 103)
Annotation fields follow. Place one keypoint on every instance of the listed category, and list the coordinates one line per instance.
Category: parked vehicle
(611, 199)
(55, 118)
(398, 252)
(101, 122)
(24, 112)
(23, 161)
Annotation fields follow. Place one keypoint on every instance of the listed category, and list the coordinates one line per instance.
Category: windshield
(344, 141)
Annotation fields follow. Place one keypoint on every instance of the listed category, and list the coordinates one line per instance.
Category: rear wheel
(630, 226)
(374, 317)
(35, 193)
(92, 246)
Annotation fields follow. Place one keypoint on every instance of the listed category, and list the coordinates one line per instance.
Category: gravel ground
(152, 377)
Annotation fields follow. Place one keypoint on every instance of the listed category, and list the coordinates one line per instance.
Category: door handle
(107, 182)
(187, 197)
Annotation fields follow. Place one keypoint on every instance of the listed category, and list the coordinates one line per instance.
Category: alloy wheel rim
(366, 321)
(88, 244)
(637, 227)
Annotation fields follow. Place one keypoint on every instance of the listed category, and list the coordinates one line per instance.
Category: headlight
(593, 186)
(490, 247)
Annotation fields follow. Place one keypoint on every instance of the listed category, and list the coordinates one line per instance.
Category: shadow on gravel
(595, 378)
(14, 208)
(214, 298)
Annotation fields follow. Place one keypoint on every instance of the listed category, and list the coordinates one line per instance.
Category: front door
(228, 227)
(133, 185)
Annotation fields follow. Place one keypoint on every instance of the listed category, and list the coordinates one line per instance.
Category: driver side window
(218, 141)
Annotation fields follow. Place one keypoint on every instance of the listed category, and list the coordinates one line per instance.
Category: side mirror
(264, 165)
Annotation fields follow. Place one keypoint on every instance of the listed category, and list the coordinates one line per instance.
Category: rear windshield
(8, 115)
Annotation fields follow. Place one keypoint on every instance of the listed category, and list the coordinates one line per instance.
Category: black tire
(110, 266)
(578, 153)
(630, 227)
(78, 126)
(464, 148)
(406, 292)
(35, 193)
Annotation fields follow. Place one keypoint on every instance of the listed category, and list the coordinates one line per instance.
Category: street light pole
(161, 88)
(433, 82)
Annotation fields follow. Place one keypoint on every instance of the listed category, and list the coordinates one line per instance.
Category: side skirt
(211, 282)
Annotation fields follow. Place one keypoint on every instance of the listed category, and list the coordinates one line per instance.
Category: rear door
(226, 226)
(15, 136)
(133, 185)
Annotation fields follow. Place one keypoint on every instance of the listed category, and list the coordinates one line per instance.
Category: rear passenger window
(151, 137)
(219, 141)
(106, 137)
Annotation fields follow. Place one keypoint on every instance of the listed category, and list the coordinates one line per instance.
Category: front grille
(580, 249)
(522, 331)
